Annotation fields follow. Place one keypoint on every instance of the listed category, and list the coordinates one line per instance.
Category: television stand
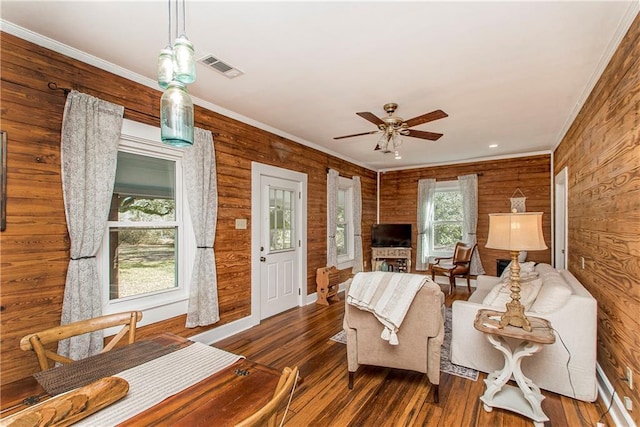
(398, 258)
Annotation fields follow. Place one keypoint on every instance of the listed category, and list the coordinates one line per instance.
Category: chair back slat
(38, 340)
(267, 414)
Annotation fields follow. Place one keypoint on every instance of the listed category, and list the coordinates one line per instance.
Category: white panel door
(560, 220)
(279, 245)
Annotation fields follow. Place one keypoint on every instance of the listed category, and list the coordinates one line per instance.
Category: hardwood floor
(380, 397)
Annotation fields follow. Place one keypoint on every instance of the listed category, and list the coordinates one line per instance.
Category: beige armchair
(420, 337)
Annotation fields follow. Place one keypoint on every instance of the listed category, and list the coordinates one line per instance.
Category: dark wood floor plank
(381, 396)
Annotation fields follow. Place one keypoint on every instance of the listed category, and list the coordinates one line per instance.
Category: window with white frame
(447, 222)
(147, 251)
(344, 229)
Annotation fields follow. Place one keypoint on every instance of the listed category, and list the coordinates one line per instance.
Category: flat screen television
(391, 236)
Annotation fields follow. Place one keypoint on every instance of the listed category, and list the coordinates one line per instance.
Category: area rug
(445, 353)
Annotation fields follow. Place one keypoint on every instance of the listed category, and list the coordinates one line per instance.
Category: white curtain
(426, 192)
(89, 151)
(469, 190)
(202, 193)
(332, 217)
(357, 226)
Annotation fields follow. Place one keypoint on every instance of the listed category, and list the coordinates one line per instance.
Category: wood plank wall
(35, 246)
(601, 152)
(497, 181)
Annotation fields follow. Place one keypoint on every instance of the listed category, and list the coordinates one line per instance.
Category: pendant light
(176, 69)
(176, 116)
(165, 59)
(184, 62)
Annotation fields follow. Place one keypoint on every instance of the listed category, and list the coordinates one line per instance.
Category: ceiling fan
(392, 127)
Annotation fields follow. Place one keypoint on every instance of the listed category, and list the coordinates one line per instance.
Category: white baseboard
(216, 334)
(618, 413)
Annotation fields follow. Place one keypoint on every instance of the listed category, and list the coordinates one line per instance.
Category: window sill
(342, 264)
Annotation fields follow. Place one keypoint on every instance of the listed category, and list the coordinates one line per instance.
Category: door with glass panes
(279, 245)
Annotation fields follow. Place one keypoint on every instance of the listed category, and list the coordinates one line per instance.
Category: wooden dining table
(222, 399)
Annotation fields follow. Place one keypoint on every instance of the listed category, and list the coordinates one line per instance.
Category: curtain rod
(328, 169)
(453, 178)
(66, 90)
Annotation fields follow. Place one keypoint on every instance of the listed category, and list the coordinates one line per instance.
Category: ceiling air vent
(220, 66)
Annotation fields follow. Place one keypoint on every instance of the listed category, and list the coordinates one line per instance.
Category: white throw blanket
(387, 295)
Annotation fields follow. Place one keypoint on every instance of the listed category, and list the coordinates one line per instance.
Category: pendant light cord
(169, 31)
(177, 16)
(184, 17)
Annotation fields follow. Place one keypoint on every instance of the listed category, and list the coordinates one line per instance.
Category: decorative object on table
(518, 200)
(176, 69)
(72, 407)
(515, 232)
(527, 400)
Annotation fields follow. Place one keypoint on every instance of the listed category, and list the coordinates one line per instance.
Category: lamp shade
(516, 231)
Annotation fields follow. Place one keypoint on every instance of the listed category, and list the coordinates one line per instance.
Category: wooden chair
(266, 416)
(457, 265)
(38, 340)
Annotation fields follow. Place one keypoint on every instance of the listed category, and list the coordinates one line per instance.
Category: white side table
(525, 399)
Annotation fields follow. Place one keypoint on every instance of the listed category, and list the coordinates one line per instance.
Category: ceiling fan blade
(357, 134)
(371, 117)
(432, 136)
(425, 118)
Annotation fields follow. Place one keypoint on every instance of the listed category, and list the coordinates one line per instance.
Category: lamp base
(514, 316)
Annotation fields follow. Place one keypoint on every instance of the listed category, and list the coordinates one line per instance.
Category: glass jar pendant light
(176, 116)
(184, 64)
(165, 67)
(176, 69)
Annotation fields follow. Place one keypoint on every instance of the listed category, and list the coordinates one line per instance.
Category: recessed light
(493, 146)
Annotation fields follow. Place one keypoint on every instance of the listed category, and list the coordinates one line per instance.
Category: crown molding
(79, 55)
(623, 26)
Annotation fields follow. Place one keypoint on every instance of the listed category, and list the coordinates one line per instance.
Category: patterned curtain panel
(357, 226)
(332, 217)
(89, 151)
(426, 192)
(202, 193)
(469, 190)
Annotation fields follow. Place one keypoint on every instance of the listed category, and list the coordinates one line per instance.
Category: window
(281, 216)
(344, 229)
(447, 219)
(147, 252)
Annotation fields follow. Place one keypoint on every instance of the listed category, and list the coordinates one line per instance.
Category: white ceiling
(510, 73)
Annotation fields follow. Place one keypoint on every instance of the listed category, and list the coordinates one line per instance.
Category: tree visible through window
(447, 220)
(342, 231)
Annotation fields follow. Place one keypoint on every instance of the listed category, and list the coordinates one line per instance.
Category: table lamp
(515, 232)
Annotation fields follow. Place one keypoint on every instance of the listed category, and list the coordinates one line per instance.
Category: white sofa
(572, 312)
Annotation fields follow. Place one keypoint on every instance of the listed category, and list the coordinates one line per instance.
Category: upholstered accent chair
(419, 337)
(457, 265)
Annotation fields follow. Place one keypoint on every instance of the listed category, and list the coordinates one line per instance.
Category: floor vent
(220, 66)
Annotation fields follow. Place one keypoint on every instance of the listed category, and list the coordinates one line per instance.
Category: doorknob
(262, 259)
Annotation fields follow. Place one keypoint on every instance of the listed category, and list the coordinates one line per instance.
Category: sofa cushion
(525, 268)
(553, 295)
(543, 269)
(500, 295)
